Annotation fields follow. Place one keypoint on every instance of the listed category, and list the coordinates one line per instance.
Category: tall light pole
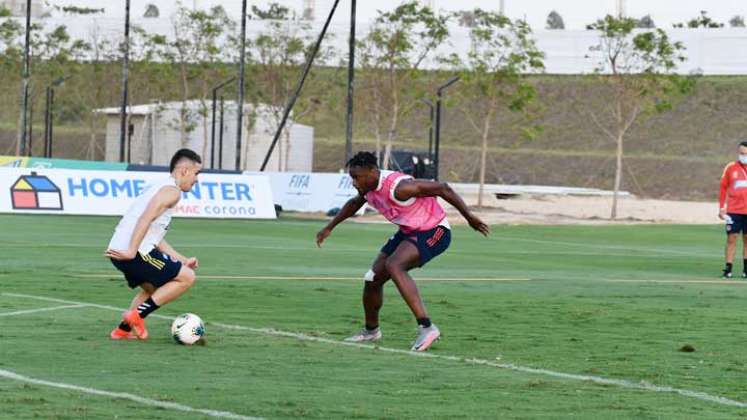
(49, 116)
(351, 76)
(21, 149)
(240, 110)
(439, 96)
(125, 76)
(212, 131)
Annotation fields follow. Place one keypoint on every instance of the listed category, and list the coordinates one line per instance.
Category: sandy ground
(570, 209)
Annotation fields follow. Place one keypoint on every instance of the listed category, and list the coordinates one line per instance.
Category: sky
(576, 13)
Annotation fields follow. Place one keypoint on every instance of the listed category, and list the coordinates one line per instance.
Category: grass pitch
(537, 321)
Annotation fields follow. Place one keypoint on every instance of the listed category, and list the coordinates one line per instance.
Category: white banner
(310, 192)
(62, 191)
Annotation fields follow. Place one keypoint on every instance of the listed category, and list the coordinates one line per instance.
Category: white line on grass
(455, 279)
(696, 281)
(31, 311)
(123, 396)
(623, 383)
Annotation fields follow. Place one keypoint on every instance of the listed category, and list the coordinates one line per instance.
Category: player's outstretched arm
(165, 198)
(417, 188)
(167, 249)
(348, 210)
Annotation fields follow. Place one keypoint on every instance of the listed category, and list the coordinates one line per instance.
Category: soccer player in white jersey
(138, 248)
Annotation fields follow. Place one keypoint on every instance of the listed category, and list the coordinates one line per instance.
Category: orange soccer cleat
(133, 319)
(120, 334)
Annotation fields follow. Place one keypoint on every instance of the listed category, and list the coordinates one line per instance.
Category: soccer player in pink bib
(423, 234)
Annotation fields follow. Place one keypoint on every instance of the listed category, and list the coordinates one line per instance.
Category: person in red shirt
(732, 204)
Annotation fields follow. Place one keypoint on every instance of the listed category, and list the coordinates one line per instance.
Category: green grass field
(537, 321)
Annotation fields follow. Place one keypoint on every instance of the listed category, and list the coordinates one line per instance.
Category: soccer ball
(187, 329)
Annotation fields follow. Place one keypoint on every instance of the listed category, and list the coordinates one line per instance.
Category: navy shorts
(430, 243)
(155, 268)
(736, 223)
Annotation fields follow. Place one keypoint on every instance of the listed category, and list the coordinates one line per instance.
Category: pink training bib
(414, 215)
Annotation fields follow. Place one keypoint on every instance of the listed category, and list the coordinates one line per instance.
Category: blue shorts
(155, 268)
(736, 223)
(430, 243)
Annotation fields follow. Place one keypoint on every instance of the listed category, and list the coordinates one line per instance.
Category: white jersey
(156, 231)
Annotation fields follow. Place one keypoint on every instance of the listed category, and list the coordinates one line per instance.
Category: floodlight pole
(212, 132)
(125, 75)
(220, 137)
(439, 96)
(21, 150)
(49, 117)
(240, 110)
(351, 76)
(432, 116)
(299, 85)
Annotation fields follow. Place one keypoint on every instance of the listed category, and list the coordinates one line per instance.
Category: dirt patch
(565, 209)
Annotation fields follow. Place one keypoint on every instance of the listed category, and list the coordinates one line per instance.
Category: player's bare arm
(167, 249)
(166, 198)
(408, 189)
(348, 210)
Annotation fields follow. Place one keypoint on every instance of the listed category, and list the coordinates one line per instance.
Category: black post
(130, 132)
(299, 85)
(51, 119)
(439, 96)
(31, 129)
(432, 115)
(25, 84)
(240, 109)
(212, 132)
(351, 76)
(46, 121)
(220, 137)
(125, 75)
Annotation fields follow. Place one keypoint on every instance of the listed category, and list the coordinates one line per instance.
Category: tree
(702, 21)
(196, 53)
(554, 21)
(274, 11)
(637, 70)
(279, 51)
(646, 22)
(391, 54)
(501, 53)
(737, 21)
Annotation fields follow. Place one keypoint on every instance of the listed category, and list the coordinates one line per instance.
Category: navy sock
(124, 327)
(370, 328)
(146, 308)
(728, 267)
(424, 322)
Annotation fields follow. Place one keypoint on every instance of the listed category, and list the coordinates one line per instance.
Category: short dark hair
(743, 143)
(362, 160)
(183, 154)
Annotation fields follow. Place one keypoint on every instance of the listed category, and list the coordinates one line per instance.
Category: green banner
(43, 163)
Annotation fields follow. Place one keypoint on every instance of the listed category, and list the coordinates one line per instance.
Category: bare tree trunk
(287, 150)
(483, 156)
(618, 174)
(390, 135)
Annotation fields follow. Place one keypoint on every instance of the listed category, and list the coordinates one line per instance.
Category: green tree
(702, 21)
(279, 52)
(501, 53)
(637, 71)
(391, 54)
(195, 55)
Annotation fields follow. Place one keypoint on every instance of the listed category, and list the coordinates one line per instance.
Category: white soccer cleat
(426, 337)
(365, 335)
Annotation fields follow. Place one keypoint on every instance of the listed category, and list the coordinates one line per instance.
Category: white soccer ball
(187, 329)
